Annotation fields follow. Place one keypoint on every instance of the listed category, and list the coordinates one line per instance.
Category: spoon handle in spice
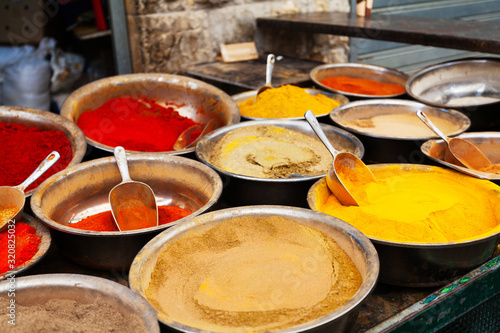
(40, 170)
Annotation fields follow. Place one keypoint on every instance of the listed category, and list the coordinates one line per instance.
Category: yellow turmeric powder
(412, 205)
(286, 102)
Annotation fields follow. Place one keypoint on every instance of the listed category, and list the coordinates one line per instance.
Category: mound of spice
(27, 243)
(26, 147)
(7, 212)
(286, 102)
(136, 124)
(361, 86)
(104, 221)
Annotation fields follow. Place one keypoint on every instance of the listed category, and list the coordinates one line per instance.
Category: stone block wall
(170, 35)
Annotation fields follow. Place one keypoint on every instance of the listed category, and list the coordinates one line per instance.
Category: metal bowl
(39, 289)
(82, 190)
(45, 120)
(358, 70)
(421, 264)
(353, 242)
(41, 230)
(241, 97)
(390, 148)
(246, 190)
(192, 95)
(470, 86)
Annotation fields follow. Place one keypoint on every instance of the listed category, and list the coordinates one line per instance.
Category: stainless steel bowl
(45, 120)
(38, 289)
(354, 243)
(390, 148)
(241, 97)
(358, 70)
(470, 86)
(83, 190)
(190, 94)
(41, 230)
(245, 190)
(424, 264)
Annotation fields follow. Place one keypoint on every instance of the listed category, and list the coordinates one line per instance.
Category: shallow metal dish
(353, 242)
(38, 289)
(425, 264)
(199, 101)
(390, 148)
(240, 189)
(241, 97)
(44, 246)
(83, 190)
(470, 86)
(45, 120)
(358, 70)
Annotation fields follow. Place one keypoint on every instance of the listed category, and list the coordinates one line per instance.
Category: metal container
(390, 148)
(241, 97)
(358, 70)
(45, 240)
(421, 264)
(246, 190)
(354, 243)
(196, 100)
(45, 120)
(82, 190)
(39, 289)
(469, 85)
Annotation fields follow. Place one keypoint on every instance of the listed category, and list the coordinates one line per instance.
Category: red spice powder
(23, 148)
(362, 86)
(104, 221)
(135, 124)
(27, 244)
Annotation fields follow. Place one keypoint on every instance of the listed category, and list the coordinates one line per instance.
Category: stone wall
(171, 35)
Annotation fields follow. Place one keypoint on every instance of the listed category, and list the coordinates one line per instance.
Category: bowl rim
(45, 187)
(369, 252)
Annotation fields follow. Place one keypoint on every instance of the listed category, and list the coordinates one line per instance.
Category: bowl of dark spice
(146, 112)
(73, 303)
(27, 136)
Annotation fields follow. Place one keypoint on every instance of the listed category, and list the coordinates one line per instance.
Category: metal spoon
(464, 152)
(346, 171)
(182, 141)
(269, 74)
(14, 195)
(133, 203)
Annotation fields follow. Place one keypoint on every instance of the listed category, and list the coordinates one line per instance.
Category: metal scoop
(182, 141)
(133, 203)
(14, 195)
(462, 151)
(346, 171)
(269, 75)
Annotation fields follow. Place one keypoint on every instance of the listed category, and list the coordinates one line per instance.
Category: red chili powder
(104, 221)
(23, 148)
(362, 86)
(135, 124)
(27, 243)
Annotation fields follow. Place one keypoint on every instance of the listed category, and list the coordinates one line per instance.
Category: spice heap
(268, 151)
(286, 102)
(26, 245)
(362, 86)
(224, 283)
(26, 147)
(419, 206)
(104, 221)
(7, 213)
(136, 124)
(60, 315)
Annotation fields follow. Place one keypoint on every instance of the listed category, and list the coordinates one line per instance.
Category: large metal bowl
(44, 233)
(83, 190)
(246, 190)
(197, 100)
(470, 86)
(358, 70)
(45, 120)
(390, 148)
(38, 289)
(422, 264)
(354, 243)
